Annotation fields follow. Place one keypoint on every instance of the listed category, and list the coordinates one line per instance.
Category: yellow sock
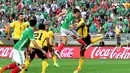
(26, 65)
(96, 39)
(81, 60)
(54, 58)
(44, 65)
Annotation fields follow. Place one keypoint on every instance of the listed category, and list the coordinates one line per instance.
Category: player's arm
(12, 25)
(47, 40)
(62, 13)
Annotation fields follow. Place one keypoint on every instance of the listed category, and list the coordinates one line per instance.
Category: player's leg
(64, 39)
(54, 57)
(87, 40)
(81, 60)
(90, 41)
(78, 38)
(18, 68)
(43, 57)
(28, 60)
(12, 65)
(18, 57)
(96, 39)
(51, 49)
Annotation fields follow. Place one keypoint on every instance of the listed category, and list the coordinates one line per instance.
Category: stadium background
(111, 13)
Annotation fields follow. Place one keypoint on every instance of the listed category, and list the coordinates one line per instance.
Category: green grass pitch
(69, 65)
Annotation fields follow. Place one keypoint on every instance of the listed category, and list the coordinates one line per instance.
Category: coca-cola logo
(112, 52)
(6, 52)
(67, 52)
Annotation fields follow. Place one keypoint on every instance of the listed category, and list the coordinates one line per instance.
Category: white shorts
(18, 56)
(66, 32)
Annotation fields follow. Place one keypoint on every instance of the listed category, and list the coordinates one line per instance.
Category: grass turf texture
(69, 65)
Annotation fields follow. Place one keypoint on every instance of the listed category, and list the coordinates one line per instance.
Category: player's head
(33, 22)
(41, 27)
(76, 13)
(20, 16)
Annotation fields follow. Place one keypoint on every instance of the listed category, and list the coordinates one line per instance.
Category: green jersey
(69, 20)
(25, 38)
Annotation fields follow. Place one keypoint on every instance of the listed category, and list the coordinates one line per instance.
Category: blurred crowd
(108, 15)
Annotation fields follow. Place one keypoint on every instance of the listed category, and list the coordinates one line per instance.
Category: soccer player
(51, 39)
(41, 37)
(66, 29)
(82, 30)
(18, 27)
(18, 52)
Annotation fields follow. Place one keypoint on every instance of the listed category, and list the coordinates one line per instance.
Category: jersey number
(38, 36)
(20, 28)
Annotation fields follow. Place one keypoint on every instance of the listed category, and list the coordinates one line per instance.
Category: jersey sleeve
(81, 22)
(51, 34)
(25, 25)
(31, 35)
(46, 35)
(12, 25)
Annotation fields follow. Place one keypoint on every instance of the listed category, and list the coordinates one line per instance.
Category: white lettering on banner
(11, 53)
(67, 52)
(115, 52)
(4, 52)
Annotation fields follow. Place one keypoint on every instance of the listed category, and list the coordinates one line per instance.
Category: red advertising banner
(107, 52)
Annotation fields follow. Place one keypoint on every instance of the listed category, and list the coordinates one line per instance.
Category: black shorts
(39, 53)
(87, 39)
(15, 41)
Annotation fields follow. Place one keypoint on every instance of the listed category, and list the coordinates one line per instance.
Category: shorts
(87, 39)
(15, 41)
(18, 56)
(66, 32)
(39, 53)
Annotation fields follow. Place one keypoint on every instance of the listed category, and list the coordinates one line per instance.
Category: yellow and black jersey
(82, 30)
(40, 37)
(18, 29)
(51, 36)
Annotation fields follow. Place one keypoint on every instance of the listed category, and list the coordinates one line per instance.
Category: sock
(96, 39)
(10, 66)
(16, 70)
(54, 58)
(27, 63)
(60, 47)
(44, 65)
(81, 42)
(81, 60)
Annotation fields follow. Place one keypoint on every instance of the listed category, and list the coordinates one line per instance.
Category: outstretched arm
(62, 13)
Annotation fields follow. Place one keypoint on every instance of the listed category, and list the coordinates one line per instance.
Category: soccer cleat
(56, 65)
(2, 70)
(77, 70)
(26, 69)
(57, 54)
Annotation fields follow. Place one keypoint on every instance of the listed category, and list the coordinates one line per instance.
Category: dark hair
(20, 14)
(13, 16)
(33, 22)
(76, 10)
(41, 26)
